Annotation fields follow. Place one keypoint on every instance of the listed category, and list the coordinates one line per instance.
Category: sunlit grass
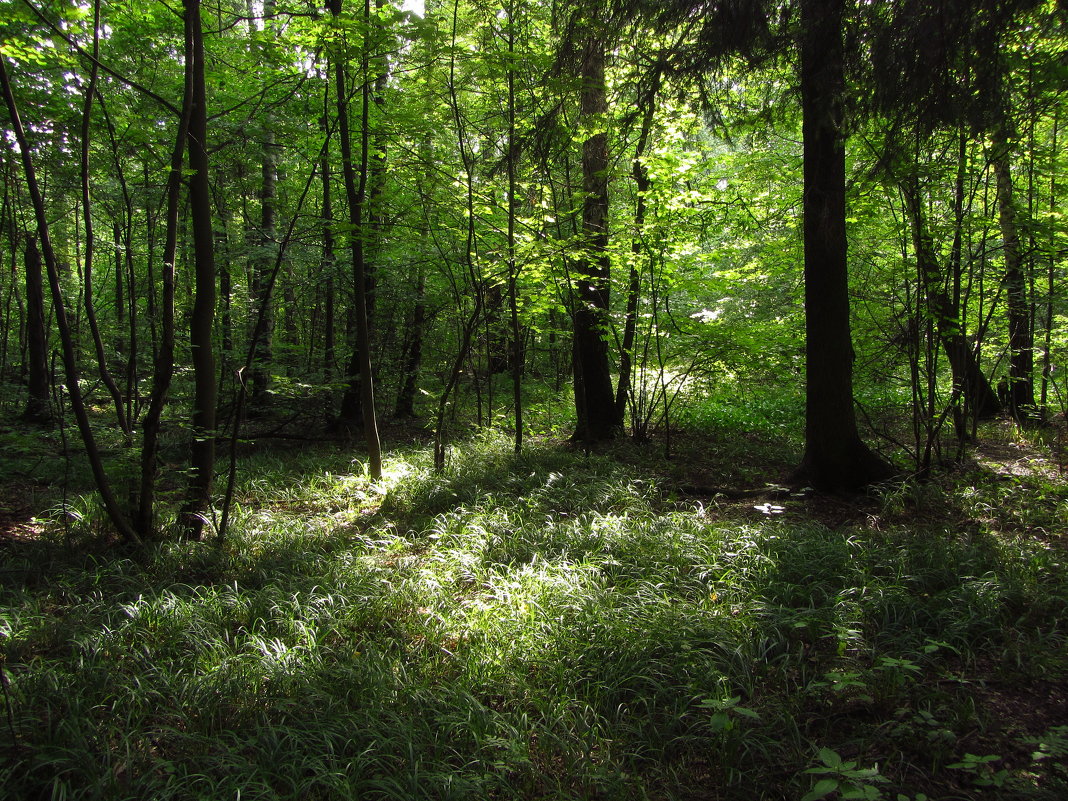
(553, 625)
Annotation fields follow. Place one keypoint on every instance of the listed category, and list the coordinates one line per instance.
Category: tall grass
(545, 626)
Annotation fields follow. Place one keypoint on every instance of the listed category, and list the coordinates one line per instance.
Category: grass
(546, 626)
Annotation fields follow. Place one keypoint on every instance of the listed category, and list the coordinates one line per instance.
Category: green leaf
(830, 758)
(822, 789)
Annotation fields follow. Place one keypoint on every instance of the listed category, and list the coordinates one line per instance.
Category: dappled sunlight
(523, 626)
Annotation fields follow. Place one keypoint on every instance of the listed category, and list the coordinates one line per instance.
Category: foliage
(552, 624)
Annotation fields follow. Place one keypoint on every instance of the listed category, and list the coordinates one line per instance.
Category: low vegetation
(554, 625)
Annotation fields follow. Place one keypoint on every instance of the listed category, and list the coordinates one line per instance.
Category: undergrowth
(554, 625)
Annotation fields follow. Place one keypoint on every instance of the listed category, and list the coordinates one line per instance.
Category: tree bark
(265, 237)
(70, 364)
(835, 458)
(357, 195)
(329, 258)
(641, 187)
(37, 406)
(595, 407)
(967, 374)
(90, 242)
(163, 360)
(513, 268)
(1021, 341)
(202, 461)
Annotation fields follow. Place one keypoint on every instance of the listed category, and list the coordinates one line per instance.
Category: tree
(202, 460)
(1021, 389)
(968, 375)
(835, 458)
(597, 416)
(38, 409)
(70, 361)
(356, 190)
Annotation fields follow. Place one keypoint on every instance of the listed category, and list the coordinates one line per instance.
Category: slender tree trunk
(70, 364)
(7, 220)
(205, 389)
(329, 257)
(1051, 275)
(1021, 344)
(357, 195)
(120, 292)
(967, 373)
(37, 408)
(223, 253)
(90, 242)
(163, 360)
(265, 244)
(470, 258)
(595, 407)
(835, 457)
(641, 186)
(513, 269)
(125, 277)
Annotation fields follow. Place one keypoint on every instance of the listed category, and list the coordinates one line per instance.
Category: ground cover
(557, 625)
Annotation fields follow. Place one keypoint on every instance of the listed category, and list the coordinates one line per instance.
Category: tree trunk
(595, 407)
(163, 361)
(90, 242)
(37, 407)
(198, 501)
(967, 374)
(70, 364)
(265, 244)
(513, 269)
(1051, 276)
(329, 258)
(835, 458)
(1021, 344)
(357, 195)
(641, 187)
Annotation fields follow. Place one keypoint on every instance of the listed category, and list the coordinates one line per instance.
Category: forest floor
(615, 625)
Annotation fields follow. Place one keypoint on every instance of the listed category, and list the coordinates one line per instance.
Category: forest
(489, 399)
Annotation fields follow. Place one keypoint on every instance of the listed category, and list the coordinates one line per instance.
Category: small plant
(843, 778)
(982, 770)
(1052, 750)
(844, 682)
(923, 726)
(726, 712)
(1051, 745)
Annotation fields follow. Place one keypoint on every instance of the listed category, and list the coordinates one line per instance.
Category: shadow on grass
(540, 627)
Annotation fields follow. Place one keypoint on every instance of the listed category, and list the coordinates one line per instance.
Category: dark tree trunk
(70, 363)
(37, 407)
(360, 367)
(1021, 342)
(513, 268)
(967, 374)
(835, 458)
(120, 289)
(641, 186)
(90, 243)
(329, 258)
(163, 361)
(198, 502)
(595, 406)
